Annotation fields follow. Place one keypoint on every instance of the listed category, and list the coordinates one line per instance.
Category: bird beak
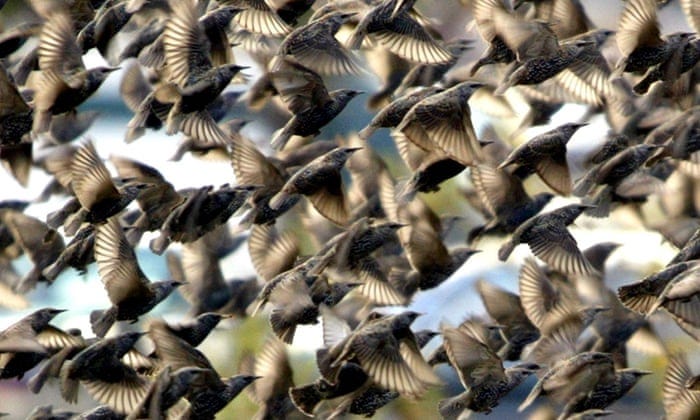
(111, 69)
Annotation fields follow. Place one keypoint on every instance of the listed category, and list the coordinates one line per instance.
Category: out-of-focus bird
(504, 198)
(39, 242)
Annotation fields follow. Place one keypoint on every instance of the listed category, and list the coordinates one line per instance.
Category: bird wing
(58, 47)
(299, 87)
(330, 200)
(90, 178)
(405, 37)
(474, 361)
(117, 265)
(185, 44)
(637, 26)
(554, 245)
(270, 251)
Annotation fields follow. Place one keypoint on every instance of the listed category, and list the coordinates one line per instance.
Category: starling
(545, 301)
(130, 292)
(392, 114)
(391, 24)
(64, 83)
(321, 182)
(549, 239)
(271, 391)
(443, 121)
(539, 54)
(314, 46)
(503, 196)
(195, 331)
(614, 169)
(42, 245)
(485, 12)
(620, 176)
(430, 168)
(639, 40)
(92, 185)
(28, 341)
(675, 289)
(574, 377)
(203, 211)
(546, 155)
(190, 68)
(165, 391)
(681, 393)
(210, 393)
(350, 389)
(307, 98)
(350, 251)
(204, 286)
(684, 57)
(105, 376)
(480, 371)
(15, 114)
(79, 253)
(253, 168)
(431, 262)
(156, 202)
(507, 310)
(376, 347)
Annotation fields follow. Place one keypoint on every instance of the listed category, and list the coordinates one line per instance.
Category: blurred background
(641, 253)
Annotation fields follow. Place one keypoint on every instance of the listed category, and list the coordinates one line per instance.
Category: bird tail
(584, 185)
(366, 132)
(73, 222)
(29, 281)
(355, 40)
(42, 121)
(475, 234)
(56, 218)
(534, 393)
(175, 118)
(306, 398)
(159, 244)
(51, 368)
(602, 203)
(277, 200)
(133, 235)
(505, 250)
(52, 271)
(281, 138)
(452, 408)
(69, 386)
(102, 321)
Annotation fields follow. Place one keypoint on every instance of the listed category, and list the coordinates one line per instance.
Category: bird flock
(333, 234)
